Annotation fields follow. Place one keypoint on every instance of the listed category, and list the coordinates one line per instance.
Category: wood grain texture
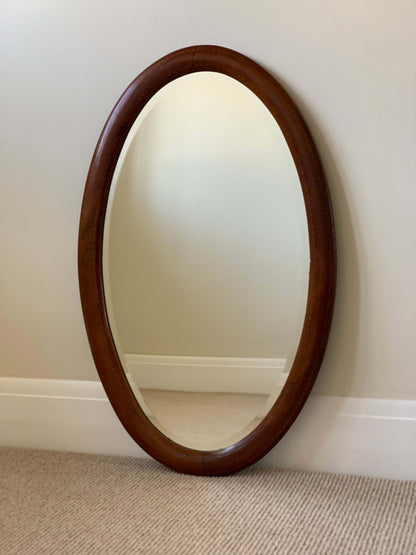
(322, 275)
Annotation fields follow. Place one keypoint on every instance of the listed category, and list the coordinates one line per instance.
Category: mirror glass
(206, 260)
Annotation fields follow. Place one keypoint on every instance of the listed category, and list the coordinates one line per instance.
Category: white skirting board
(215, 374)
(370, 437)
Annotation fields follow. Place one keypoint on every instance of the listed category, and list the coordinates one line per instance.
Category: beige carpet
(71, 503)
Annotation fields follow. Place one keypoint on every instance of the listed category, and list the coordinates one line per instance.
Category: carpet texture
(64, 503)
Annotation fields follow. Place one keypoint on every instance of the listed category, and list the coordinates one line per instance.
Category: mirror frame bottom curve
(322, 271)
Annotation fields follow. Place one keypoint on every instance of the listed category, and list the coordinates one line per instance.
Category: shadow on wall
(336, 376)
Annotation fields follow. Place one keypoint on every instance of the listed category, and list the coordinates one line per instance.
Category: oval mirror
(206, 260)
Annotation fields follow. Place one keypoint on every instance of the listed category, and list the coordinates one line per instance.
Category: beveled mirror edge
(322, 281)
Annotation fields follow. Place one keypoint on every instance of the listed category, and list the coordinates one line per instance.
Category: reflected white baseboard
(213, 374)
(370, 437)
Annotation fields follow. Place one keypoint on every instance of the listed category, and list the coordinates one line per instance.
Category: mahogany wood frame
(322, 261)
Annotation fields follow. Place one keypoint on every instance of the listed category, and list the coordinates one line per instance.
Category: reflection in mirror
(206, 260)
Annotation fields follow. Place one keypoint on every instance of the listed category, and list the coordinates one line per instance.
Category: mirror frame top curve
(322, 270)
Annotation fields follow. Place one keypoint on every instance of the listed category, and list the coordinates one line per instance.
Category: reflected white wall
(206, 242)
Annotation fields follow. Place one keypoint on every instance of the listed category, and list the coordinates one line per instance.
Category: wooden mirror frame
(322, 261)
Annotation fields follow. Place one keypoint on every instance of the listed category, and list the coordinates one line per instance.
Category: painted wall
(206, 243)
(349, 66)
